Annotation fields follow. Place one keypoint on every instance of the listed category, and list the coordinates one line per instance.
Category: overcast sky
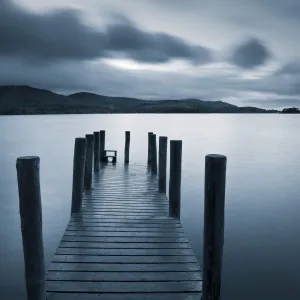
(245, 52)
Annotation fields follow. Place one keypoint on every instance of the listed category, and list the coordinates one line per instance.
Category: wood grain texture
(123, 244)
(127, 296)
(213, 236)
(78, 174)
(162, 164)
(89, 161)
(30, 207)
(175, 178)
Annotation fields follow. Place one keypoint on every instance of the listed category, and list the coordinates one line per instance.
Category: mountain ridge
(23, 99)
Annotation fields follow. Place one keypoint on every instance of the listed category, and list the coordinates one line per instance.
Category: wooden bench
(106, 156)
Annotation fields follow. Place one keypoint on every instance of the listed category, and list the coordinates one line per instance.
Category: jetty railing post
(175, 178)
(78, 174)
(213, 237)
(162, 163)
(127, 145)
(153, 153)
(102, 144)
(149, 147)
(89, 161)
(30, 207)
(96, 151)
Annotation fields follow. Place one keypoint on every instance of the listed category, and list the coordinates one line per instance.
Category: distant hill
(21, 99)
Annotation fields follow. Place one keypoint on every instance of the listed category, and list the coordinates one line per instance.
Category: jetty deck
(123, 244)
(124, 240)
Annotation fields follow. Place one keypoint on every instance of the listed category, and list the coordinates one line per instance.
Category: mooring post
(102, 144)
(89, 161)
(127, 145)
(78, 174)
(213, 236)
(96, 151)
(30, 207)
(153, 153)
(149, 147)
(175, 178)
(162, 164)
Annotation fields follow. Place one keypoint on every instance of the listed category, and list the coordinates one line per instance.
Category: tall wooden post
(30, 206)
(213, 237)
(96, 151)
(153, 153)
(127, 145)
(162, 163)
(78, 174)
(149, 147)
(102, 144)
(175, 178)
(89, 161)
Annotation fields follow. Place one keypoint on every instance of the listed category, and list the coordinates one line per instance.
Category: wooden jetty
(124, 239)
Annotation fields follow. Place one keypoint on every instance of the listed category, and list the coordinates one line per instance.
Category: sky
(245, 52)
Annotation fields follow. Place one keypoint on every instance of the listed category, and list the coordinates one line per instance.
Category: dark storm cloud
(61, 35)
(290, 68)
(251, 54)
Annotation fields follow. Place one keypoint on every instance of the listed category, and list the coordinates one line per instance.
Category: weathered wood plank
(124, 234)
(152, 219)
(122, 224)
(123, 276)
(122, 246)
(125, 252)
(155, 259)
(127, 239)
(124, 221)
(100, 267)
(123, 296)
(124, 287)
(124, 229)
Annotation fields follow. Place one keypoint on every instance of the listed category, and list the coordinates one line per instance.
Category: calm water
(262, 244)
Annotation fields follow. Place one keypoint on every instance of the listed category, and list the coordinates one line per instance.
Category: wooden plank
(123, 276)
(100, 267)
(124, 245)
(124, 234)
(125, 221)
(126, 252)
(121, 210)
(124, 287)
(124, 229)
(123, 296)
(155, 259)
(107, 205)
(142, 219)
(121, 224)
(127, 239)
(133, 213)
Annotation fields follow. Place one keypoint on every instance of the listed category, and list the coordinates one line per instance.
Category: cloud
(251, 54)
(61, 35)
(290, 68)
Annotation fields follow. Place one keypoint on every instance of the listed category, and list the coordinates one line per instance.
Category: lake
(262, 223)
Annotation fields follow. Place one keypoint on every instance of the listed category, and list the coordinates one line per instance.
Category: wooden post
(213, 237)
(127, 145)
(89, 161)
(153, 153)
(28, 173)
(162, 163)
(149, 147)
(96, 151)
(102, 144)
(175, 178)
(78, 174)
